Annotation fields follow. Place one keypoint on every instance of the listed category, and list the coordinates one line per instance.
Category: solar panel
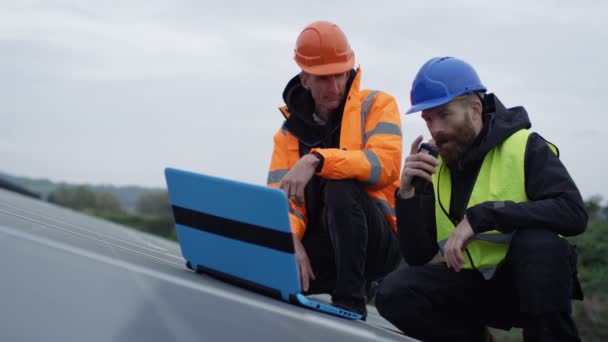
(68, 276)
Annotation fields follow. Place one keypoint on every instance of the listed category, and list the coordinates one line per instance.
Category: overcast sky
(114, 91)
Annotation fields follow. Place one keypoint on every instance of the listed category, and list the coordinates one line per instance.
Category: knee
(384, 294)
(341, 194)
(533, 250)
(527, 244)
(403, 298)
(395, 298)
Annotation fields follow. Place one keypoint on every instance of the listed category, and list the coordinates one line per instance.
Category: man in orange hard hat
(337, 157)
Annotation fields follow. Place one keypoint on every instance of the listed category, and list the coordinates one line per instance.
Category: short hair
(467, 99)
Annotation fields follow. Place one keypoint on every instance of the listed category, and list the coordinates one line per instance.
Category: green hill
(126, 195)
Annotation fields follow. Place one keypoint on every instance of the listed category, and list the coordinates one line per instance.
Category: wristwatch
(321, 160)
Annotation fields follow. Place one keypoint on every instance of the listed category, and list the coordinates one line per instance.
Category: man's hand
(306, 273)
(416, 165)
(294, 182)
(457, 242)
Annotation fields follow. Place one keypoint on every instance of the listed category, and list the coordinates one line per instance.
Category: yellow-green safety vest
(501, 178)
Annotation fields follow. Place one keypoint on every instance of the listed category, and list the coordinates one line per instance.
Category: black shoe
(352, 305)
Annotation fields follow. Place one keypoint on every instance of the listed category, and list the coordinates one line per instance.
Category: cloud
(113, 91)
(116, 48)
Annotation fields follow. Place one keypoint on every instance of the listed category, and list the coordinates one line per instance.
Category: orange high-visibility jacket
(370, 151)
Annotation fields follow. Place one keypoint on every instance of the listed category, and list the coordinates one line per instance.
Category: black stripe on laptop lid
(246, 232)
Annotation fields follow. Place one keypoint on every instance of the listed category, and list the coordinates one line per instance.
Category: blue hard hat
(440, 80)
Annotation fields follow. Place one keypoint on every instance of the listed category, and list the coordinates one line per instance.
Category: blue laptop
(240, 233)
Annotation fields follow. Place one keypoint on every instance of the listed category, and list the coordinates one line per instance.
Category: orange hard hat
(322, 49)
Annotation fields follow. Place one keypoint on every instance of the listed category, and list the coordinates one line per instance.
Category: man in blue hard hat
(481, 229)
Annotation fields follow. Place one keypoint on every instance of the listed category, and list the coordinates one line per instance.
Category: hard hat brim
(430, 104)
(329, 69)
(441, 101)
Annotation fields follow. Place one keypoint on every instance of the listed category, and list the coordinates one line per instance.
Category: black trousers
(531, 289)
(351, 244)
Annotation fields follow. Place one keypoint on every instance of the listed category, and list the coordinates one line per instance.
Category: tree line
(152, 211)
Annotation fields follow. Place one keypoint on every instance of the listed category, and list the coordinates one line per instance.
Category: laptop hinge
(240, 282)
